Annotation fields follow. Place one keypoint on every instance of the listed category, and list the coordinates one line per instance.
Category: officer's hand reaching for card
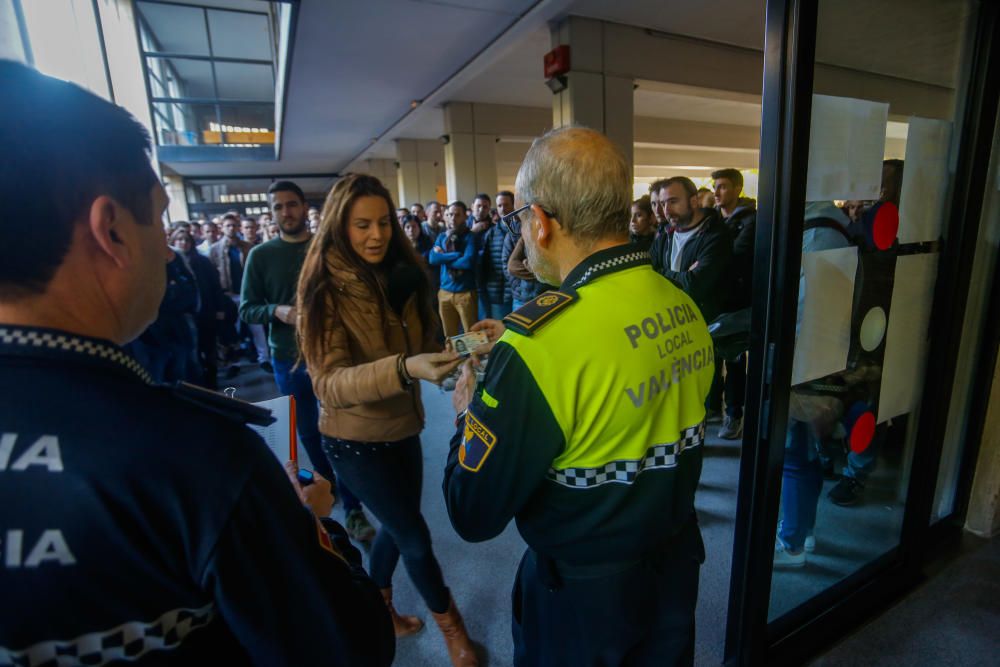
(493, 329)
(318, 496)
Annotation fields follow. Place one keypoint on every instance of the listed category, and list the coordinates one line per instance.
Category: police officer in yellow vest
(588, 426)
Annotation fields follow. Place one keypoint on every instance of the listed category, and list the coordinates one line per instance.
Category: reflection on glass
(877, 184)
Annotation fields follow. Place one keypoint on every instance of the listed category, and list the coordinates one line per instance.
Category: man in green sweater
(268, 297)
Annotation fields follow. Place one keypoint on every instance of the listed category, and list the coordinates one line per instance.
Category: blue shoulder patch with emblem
(532, 315)
(477, 443)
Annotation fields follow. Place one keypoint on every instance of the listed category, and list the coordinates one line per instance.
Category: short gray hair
(580, 177)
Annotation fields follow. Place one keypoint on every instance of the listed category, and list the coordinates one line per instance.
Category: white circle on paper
(873, 329)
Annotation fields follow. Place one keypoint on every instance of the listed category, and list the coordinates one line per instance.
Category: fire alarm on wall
(557, 61)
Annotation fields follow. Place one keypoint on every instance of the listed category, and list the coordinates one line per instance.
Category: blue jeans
(389, 477)
(517, 304)
(498, 311)
(297, 383)
(801, 484)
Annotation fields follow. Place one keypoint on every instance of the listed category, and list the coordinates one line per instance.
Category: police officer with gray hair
(588, 426)
(138, 522)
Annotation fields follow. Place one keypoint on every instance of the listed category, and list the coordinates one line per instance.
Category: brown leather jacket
(356, 380)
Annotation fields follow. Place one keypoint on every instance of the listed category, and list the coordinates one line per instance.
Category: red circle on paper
(863, 432)
(886, 226)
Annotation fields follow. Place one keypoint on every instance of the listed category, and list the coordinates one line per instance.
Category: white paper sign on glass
(925, 180)
(907, 337)
(846, 144)
(824, 332)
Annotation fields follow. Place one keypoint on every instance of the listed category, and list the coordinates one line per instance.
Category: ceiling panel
(656, 104)
(737, 22)
(357, 66)
(919, 40)
(347, 87)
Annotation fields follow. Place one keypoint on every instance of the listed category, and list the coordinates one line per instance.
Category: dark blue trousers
(637, 614)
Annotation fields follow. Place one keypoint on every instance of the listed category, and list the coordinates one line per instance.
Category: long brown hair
(316, 289)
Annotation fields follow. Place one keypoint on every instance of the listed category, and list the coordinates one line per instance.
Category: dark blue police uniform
(139, 523)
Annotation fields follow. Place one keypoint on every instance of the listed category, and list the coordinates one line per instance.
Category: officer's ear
(107, 222)
(545, 228)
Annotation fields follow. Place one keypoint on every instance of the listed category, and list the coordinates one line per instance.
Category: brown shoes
(460, 648)
(403, 625)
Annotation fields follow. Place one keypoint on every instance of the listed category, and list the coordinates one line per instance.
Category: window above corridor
(212, 71)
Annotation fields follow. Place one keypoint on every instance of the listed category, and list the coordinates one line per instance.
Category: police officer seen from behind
(588, 426)
(138, 522)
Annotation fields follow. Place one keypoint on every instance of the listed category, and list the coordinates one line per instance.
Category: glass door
(879, 172)
(867, 157)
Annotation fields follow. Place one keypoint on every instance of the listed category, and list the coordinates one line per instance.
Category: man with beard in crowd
(434, 222)
(696, 255)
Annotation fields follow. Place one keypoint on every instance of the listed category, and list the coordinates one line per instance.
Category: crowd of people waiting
(475, 263)
(476, 266)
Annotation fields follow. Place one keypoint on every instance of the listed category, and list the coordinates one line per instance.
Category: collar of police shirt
(37, 342)
(603, 262)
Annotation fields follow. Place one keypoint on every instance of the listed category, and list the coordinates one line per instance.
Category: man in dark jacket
(212, 310)
(740, 216)
(697, 251)
(494, 289)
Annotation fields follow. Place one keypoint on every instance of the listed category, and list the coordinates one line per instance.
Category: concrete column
(983, 517)
(421, 172)
(593, 96)
(469, 157)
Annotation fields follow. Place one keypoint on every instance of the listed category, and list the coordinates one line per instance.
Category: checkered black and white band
(627, 470)
(129, 641)
(621, 261)
(69, 343)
